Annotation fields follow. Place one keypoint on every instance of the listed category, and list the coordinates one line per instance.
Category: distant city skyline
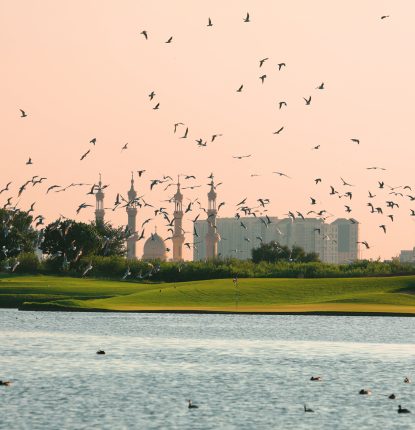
(85, 72)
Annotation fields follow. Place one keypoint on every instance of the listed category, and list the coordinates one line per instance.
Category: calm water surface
(244, 372)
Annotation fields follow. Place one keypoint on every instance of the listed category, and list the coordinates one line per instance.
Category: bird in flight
(247, 19)
(355, 141)
(261, 62)
(262, 78)
(29, 161)
(384, 16)
(84, 155)
(23, 113)
(124, 147)
(239, 157)
(307, 101)
(151, 95)
(156, 106)
(185, 133)
(281, 65)
(282, 174)
(383, 227)
(279, 131)
(316, 147)
(176, 125)
(317, 180)
(321, 86)
(144, 33)
(375, 168)
(209, 23)
(6, 188)
(239, 90)
(214, 136)
(140, 172)
(281, 104)
(93, 141)
(169, 40)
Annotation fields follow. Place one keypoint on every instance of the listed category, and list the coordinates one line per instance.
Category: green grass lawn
(363, 295)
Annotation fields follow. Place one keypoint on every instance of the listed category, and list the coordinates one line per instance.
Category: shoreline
(217, 312)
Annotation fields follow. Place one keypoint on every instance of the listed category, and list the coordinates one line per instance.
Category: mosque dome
(154, 248)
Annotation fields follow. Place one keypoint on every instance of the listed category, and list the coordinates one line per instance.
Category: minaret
(132, 216)
(212, 236)
(99, 208)
(178, 236)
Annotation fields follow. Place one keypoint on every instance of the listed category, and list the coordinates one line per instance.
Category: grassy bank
(353, 295)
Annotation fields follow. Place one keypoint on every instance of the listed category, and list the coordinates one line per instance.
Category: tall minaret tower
(132, 217)
(99, 208)
(212, 236)
(178, 236)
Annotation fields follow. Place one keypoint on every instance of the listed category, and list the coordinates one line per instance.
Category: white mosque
(154, 246)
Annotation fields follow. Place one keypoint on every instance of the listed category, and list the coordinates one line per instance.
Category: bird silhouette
(307, 101)
(279, 131)
(247, 18)
(84, 155)
(281, 65)
(169, 39)
(355, 141)
(321, 86)
(209, 23)
(23, 113)
(29, 161)
(281, 104)
(185, 133)
(145, 34)
(261, 62)
(262, 78)
(239, 90)
(124, 147)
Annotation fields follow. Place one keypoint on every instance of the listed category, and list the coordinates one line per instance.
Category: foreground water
(244, 372)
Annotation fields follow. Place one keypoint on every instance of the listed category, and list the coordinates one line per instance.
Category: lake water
(244, 372)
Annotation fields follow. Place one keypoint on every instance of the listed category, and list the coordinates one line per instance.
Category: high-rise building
(240, 236)
(178, 236)
(212, 237)
(132, 219)
(99, 206)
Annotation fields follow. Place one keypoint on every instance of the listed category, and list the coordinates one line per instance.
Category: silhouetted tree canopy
(16, 233)
(273, 252)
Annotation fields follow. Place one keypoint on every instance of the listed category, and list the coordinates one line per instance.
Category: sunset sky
(81, 69)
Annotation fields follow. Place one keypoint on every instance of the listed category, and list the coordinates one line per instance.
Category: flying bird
(209, 23)
(262, 78)
(124, 147)
(281, 104)
(247, 19)
(355, 141)
(185, 133)
(29, 161)
(169, 40)
(279, 131)
(384, 16)
(84, 155)
(239, 157)
(321, 86)
(23, 113)
(156, 106)
(145, 34)
(239, 90)
(261, 62)
(93, 141)
(282, 174)
(281, 65)
(307, 101)
(151, 95)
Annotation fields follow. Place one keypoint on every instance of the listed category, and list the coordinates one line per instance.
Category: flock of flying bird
(392, 196)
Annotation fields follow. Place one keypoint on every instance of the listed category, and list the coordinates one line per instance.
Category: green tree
(16, 233)
(273, 252)
(112, 239)
(66, 241)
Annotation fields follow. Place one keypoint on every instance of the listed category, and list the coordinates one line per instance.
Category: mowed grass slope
(363, 295)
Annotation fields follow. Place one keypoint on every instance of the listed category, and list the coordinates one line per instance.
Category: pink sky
(81, 69)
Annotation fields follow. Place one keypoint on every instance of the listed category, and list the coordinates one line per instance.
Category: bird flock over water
(386, 202)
